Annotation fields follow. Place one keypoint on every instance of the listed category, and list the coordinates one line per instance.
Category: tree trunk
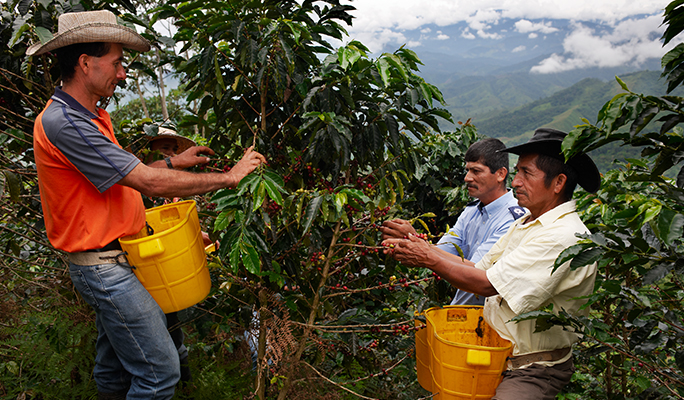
(162, 91)
(294, 361)
(143, 104)
(262, 365)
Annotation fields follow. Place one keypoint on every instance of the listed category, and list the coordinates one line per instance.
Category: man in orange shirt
(90, 192)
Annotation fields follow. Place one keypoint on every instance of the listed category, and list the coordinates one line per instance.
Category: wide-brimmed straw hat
(166, 133)
(548, 142)
(90, 27)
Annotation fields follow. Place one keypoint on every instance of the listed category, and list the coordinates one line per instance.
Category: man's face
(529, 186)
(105, 72)
(482, 183)
(167, 146)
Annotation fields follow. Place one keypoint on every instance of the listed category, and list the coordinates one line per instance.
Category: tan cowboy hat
(548, 141)
(166, 133)
(90, 27)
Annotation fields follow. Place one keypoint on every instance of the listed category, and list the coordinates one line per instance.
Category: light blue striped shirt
(476, 230)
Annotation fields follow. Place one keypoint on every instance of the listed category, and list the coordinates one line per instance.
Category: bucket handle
(150, 230)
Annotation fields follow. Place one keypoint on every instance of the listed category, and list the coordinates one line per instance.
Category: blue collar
(496, 205)
(65, 98)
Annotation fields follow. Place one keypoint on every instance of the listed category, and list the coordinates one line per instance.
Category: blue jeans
(134, 348)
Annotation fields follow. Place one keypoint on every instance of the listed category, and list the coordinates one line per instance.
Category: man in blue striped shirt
(484, 220)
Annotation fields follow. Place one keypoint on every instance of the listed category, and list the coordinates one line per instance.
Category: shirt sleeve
(523, 277)
(454, 236)
(100, 160)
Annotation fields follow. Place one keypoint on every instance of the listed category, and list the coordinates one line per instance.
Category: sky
(593, 33)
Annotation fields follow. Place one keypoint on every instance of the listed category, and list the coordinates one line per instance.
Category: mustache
(471, 186)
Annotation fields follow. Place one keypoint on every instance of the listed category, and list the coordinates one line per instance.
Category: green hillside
(474, 89)
(487, 94)
(564, 109)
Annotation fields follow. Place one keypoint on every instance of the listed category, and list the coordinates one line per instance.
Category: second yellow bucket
(458, 355)
(171, 262)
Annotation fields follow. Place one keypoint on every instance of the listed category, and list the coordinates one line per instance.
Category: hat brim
(588, 175)
(183, 142)
(92, 33)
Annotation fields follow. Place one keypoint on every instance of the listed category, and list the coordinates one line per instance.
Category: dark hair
(68, 56)
(552, 167)
(486, 151)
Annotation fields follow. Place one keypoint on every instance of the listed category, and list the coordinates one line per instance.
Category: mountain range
(509, 102)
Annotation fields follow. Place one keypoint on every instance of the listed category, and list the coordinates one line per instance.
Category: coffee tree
(351, 141)
(339, 130)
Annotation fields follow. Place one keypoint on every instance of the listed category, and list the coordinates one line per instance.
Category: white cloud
(631, 42)
(379, 23)
(376, 41)
(519, 49)
(525, 26)
(482, 21)
(373, 15)
(442, 36)
(466, 34)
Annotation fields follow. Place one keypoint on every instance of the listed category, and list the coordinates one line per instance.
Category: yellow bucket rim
(468, 346)
(166, 232)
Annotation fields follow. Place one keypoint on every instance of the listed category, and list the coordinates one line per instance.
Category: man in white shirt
(516, 274)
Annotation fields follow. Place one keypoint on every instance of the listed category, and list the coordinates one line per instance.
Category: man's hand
(191, 157)
(248, 163)
(412, 251)
(396, 229)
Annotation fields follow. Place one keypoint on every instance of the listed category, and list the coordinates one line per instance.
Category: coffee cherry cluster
(381, 212)
(271, 207)
(404, 329)
(317, 257)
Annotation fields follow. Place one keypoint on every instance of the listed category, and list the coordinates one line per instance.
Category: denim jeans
(134, 348)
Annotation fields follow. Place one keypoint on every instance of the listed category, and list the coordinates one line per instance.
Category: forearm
(457, 271)
(164, 182)
(461, 273)
(182, 161)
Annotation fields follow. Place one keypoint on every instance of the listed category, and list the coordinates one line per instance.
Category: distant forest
(564, 110)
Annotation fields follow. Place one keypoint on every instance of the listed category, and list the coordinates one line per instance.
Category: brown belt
(516, 362)
(95, 258)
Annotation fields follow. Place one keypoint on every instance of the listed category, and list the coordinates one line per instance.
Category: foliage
(300, 237)
(52, 355)
(351, 141)
(132, 111)
(332, 122)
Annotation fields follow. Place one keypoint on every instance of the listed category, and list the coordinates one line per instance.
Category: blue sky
(571, 34)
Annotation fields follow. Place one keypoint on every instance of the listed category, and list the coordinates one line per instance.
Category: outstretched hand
(396, 229)
(248, 163)
(191, 157)
(411, 251)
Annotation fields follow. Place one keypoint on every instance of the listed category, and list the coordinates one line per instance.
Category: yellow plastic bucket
(423, 358)
(465, 355)
(171, 263)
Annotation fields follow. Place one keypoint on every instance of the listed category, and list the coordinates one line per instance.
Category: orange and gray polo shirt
(79, 163)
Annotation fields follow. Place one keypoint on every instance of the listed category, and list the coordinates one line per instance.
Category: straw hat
(91, 27)
(166, 133)
(548, 141)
